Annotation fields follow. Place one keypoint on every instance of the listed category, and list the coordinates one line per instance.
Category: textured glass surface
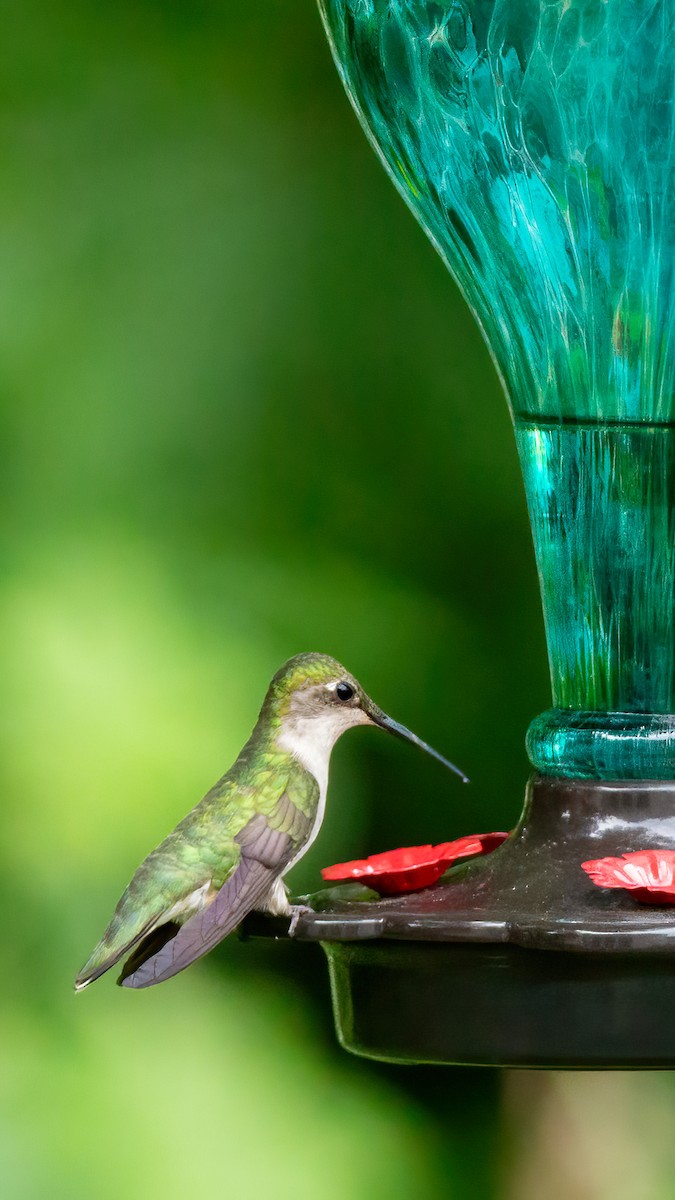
(533, 140)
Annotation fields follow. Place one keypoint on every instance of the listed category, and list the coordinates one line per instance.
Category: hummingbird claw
(298, 911)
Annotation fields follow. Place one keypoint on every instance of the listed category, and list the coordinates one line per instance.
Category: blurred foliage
(244, 413)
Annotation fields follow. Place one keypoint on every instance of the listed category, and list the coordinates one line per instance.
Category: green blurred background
(244, 413)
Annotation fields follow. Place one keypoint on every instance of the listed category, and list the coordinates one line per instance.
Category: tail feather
(108, 952)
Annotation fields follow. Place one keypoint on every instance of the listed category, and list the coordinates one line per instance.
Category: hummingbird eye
(344, 691)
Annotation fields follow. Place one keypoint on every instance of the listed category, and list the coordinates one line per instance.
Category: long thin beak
(380, 718)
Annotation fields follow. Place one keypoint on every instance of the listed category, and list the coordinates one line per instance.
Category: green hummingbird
(229, 855)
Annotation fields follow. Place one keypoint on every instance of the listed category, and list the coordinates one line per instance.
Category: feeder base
(517, 958)
(502, 1006)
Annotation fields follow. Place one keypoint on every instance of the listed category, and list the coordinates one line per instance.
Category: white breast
(311, 742)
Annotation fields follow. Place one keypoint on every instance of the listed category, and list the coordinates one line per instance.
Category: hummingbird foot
(297, 911)
(278, 905)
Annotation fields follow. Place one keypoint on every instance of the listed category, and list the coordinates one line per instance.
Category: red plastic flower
(411, 867)
(649, 875)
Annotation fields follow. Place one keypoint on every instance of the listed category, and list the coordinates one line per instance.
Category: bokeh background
(244, 413)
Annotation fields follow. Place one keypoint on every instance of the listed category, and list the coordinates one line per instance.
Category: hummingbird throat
(311, 739)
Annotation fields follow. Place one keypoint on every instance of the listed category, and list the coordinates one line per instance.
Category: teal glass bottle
(534, 141)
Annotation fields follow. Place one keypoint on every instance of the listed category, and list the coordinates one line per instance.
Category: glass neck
(601, 498)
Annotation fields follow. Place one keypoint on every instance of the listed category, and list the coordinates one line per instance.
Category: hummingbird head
(313, 700)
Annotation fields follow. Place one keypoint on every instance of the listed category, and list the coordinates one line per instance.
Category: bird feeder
(533, 140)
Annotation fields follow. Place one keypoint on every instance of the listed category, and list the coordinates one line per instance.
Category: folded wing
(265, 852)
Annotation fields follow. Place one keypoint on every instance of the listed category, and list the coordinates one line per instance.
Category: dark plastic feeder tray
(517, 959)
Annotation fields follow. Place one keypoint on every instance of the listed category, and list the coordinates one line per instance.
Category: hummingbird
(230, 854)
